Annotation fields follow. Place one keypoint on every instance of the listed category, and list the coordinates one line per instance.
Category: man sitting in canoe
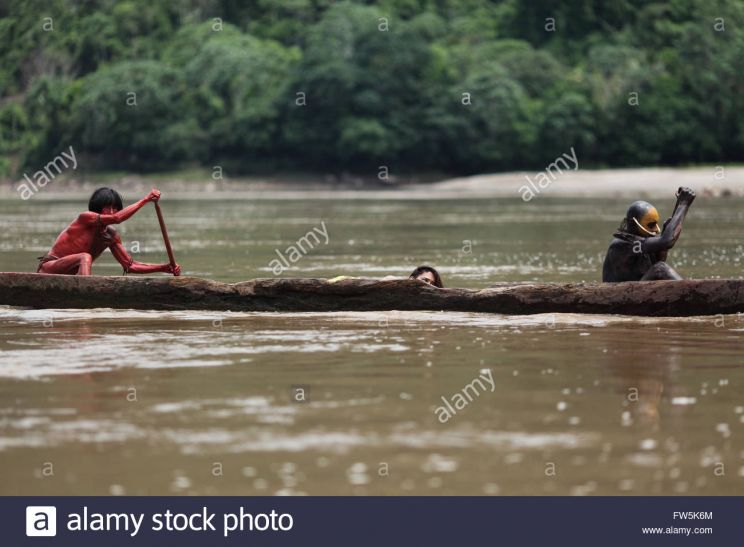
(91, 233)
(639, 249)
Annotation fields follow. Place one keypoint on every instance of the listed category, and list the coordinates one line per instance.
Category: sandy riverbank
(640, 183)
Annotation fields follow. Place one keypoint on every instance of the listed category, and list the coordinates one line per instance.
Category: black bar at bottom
(373, 521)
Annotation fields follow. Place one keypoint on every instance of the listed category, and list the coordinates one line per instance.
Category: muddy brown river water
(134, 402)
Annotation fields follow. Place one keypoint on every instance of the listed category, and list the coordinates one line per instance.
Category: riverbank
(636, 183)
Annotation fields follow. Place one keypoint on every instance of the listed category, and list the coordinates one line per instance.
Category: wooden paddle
(165, 235)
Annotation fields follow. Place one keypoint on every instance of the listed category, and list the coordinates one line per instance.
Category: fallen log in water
(656, 298)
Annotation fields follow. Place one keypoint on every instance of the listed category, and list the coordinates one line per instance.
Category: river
(136, 402)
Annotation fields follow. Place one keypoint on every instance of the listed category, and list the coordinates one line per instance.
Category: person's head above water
(106, 201)
(427, 274)
(642, 219)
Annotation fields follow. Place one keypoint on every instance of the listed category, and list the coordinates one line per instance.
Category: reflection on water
(188, 402)
(137, 402)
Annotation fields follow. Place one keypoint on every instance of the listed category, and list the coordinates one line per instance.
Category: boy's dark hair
(103, 197)
(421, 269)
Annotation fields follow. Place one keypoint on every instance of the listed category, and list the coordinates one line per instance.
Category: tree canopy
(454, 86)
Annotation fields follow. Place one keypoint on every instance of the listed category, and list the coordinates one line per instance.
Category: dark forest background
(625, 82)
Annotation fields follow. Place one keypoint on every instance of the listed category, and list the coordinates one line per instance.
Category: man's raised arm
(673, 226)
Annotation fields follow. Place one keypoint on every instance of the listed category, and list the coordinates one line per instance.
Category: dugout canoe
(653, 298)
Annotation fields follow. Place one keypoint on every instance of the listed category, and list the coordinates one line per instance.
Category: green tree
(127, 112)
(366, 90)
(237, 87)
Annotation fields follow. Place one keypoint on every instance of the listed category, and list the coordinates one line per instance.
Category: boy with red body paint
(91, 233)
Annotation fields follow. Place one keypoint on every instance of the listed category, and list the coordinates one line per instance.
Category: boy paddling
(91, 233)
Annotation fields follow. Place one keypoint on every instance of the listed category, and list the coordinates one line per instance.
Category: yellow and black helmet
(642, 219)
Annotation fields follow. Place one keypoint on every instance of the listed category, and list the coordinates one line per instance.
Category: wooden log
(655, 298)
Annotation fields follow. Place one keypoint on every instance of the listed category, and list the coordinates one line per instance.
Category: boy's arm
(130, 265)
(119, 217)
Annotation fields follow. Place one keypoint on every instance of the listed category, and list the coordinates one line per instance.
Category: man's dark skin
(639, 249)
